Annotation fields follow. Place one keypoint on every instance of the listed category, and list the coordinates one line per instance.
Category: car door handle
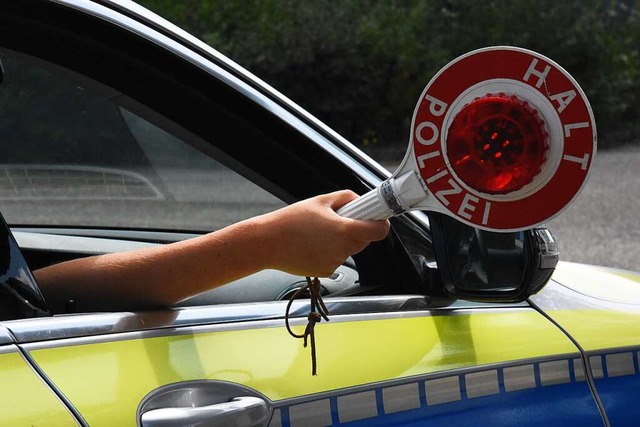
(240, 411)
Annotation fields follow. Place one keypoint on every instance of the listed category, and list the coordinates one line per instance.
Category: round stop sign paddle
(502, 139)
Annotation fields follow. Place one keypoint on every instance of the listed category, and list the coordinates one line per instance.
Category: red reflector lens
(497, 144)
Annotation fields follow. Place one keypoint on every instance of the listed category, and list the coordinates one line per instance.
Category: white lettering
(436, 107)
(467, 206)
(542, 75)
(427, 156)
(569, 127)
(442, 194)
(434, 131)
(584, 160)
(485, 217)
(437, 176)
(563, 99)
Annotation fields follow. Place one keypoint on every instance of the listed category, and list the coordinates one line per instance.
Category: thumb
(364, 230)
(338, 199)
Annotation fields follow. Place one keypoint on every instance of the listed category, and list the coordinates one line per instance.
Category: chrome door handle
(240, 411)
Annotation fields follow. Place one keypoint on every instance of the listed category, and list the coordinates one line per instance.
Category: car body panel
(106, 377)
(29, 400)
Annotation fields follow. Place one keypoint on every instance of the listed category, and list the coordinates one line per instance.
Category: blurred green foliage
(360, 65)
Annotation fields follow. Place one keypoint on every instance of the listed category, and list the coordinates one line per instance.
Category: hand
(309, 238)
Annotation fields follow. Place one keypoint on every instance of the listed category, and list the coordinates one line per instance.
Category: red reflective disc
(503, 138)
(497, 144)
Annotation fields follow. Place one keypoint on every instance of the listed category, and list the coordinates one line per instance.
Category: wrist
(264, 235)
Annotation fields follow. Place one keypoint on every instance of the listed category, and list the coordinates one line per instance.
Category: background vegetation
(359, 65)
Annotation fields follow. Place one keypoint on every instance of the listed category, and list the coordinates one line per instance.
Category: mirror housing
(489, 266)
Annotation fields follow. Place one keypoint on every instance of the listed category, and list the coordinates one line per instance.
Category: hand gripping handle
(368, 206)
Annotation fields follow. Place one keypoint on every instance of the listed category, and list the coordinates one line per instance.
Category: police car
(120, 131)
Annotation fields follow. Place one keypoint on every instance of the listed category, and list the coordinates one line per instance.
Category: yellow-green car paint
(28, 401)
(606, 284)
(600, 330)
(107, 380)
(600, 307)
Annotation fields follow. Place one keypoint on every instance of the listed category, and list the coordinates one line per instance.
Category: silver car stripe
(110, 324)
(276, 419)
(578, 369)
(357, 406)
(442, 390)
(5, 336)
(485, 383)
(376, 400)
(311, 414)
(596, 366)
(519, 378)
(556, 372)
(401, 398)
(220, 324)
(620, 364)
(4, 349)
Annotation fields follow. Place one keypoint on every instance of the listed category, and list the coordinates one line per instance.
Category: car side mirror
(492, 266)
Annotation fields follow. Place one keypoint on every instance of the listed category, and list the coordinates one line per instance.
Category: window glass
(71, 156)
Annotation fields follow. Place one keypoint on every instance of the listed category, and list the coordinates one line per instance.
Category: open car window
(73, 157)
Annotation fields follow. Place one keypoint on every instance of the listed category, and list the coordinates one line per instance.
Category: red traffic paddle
(502, 139)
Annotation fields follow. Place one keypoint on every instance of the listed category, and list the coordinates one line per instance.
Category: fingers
(338, 199)
(364, 231)
(371, 231)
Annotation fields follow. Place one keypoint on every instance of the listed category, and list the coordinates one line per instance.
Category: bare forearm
(307, 238)
(160, 276)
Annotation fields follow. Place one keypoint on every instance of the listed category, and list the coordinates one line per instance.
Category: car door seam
(76, 414)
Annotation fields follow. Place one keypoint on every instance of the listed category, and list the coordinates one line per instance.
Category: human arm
(307, 238)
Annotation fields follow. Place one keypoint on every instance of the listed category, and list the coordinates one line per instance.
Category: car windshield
(73, 156)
